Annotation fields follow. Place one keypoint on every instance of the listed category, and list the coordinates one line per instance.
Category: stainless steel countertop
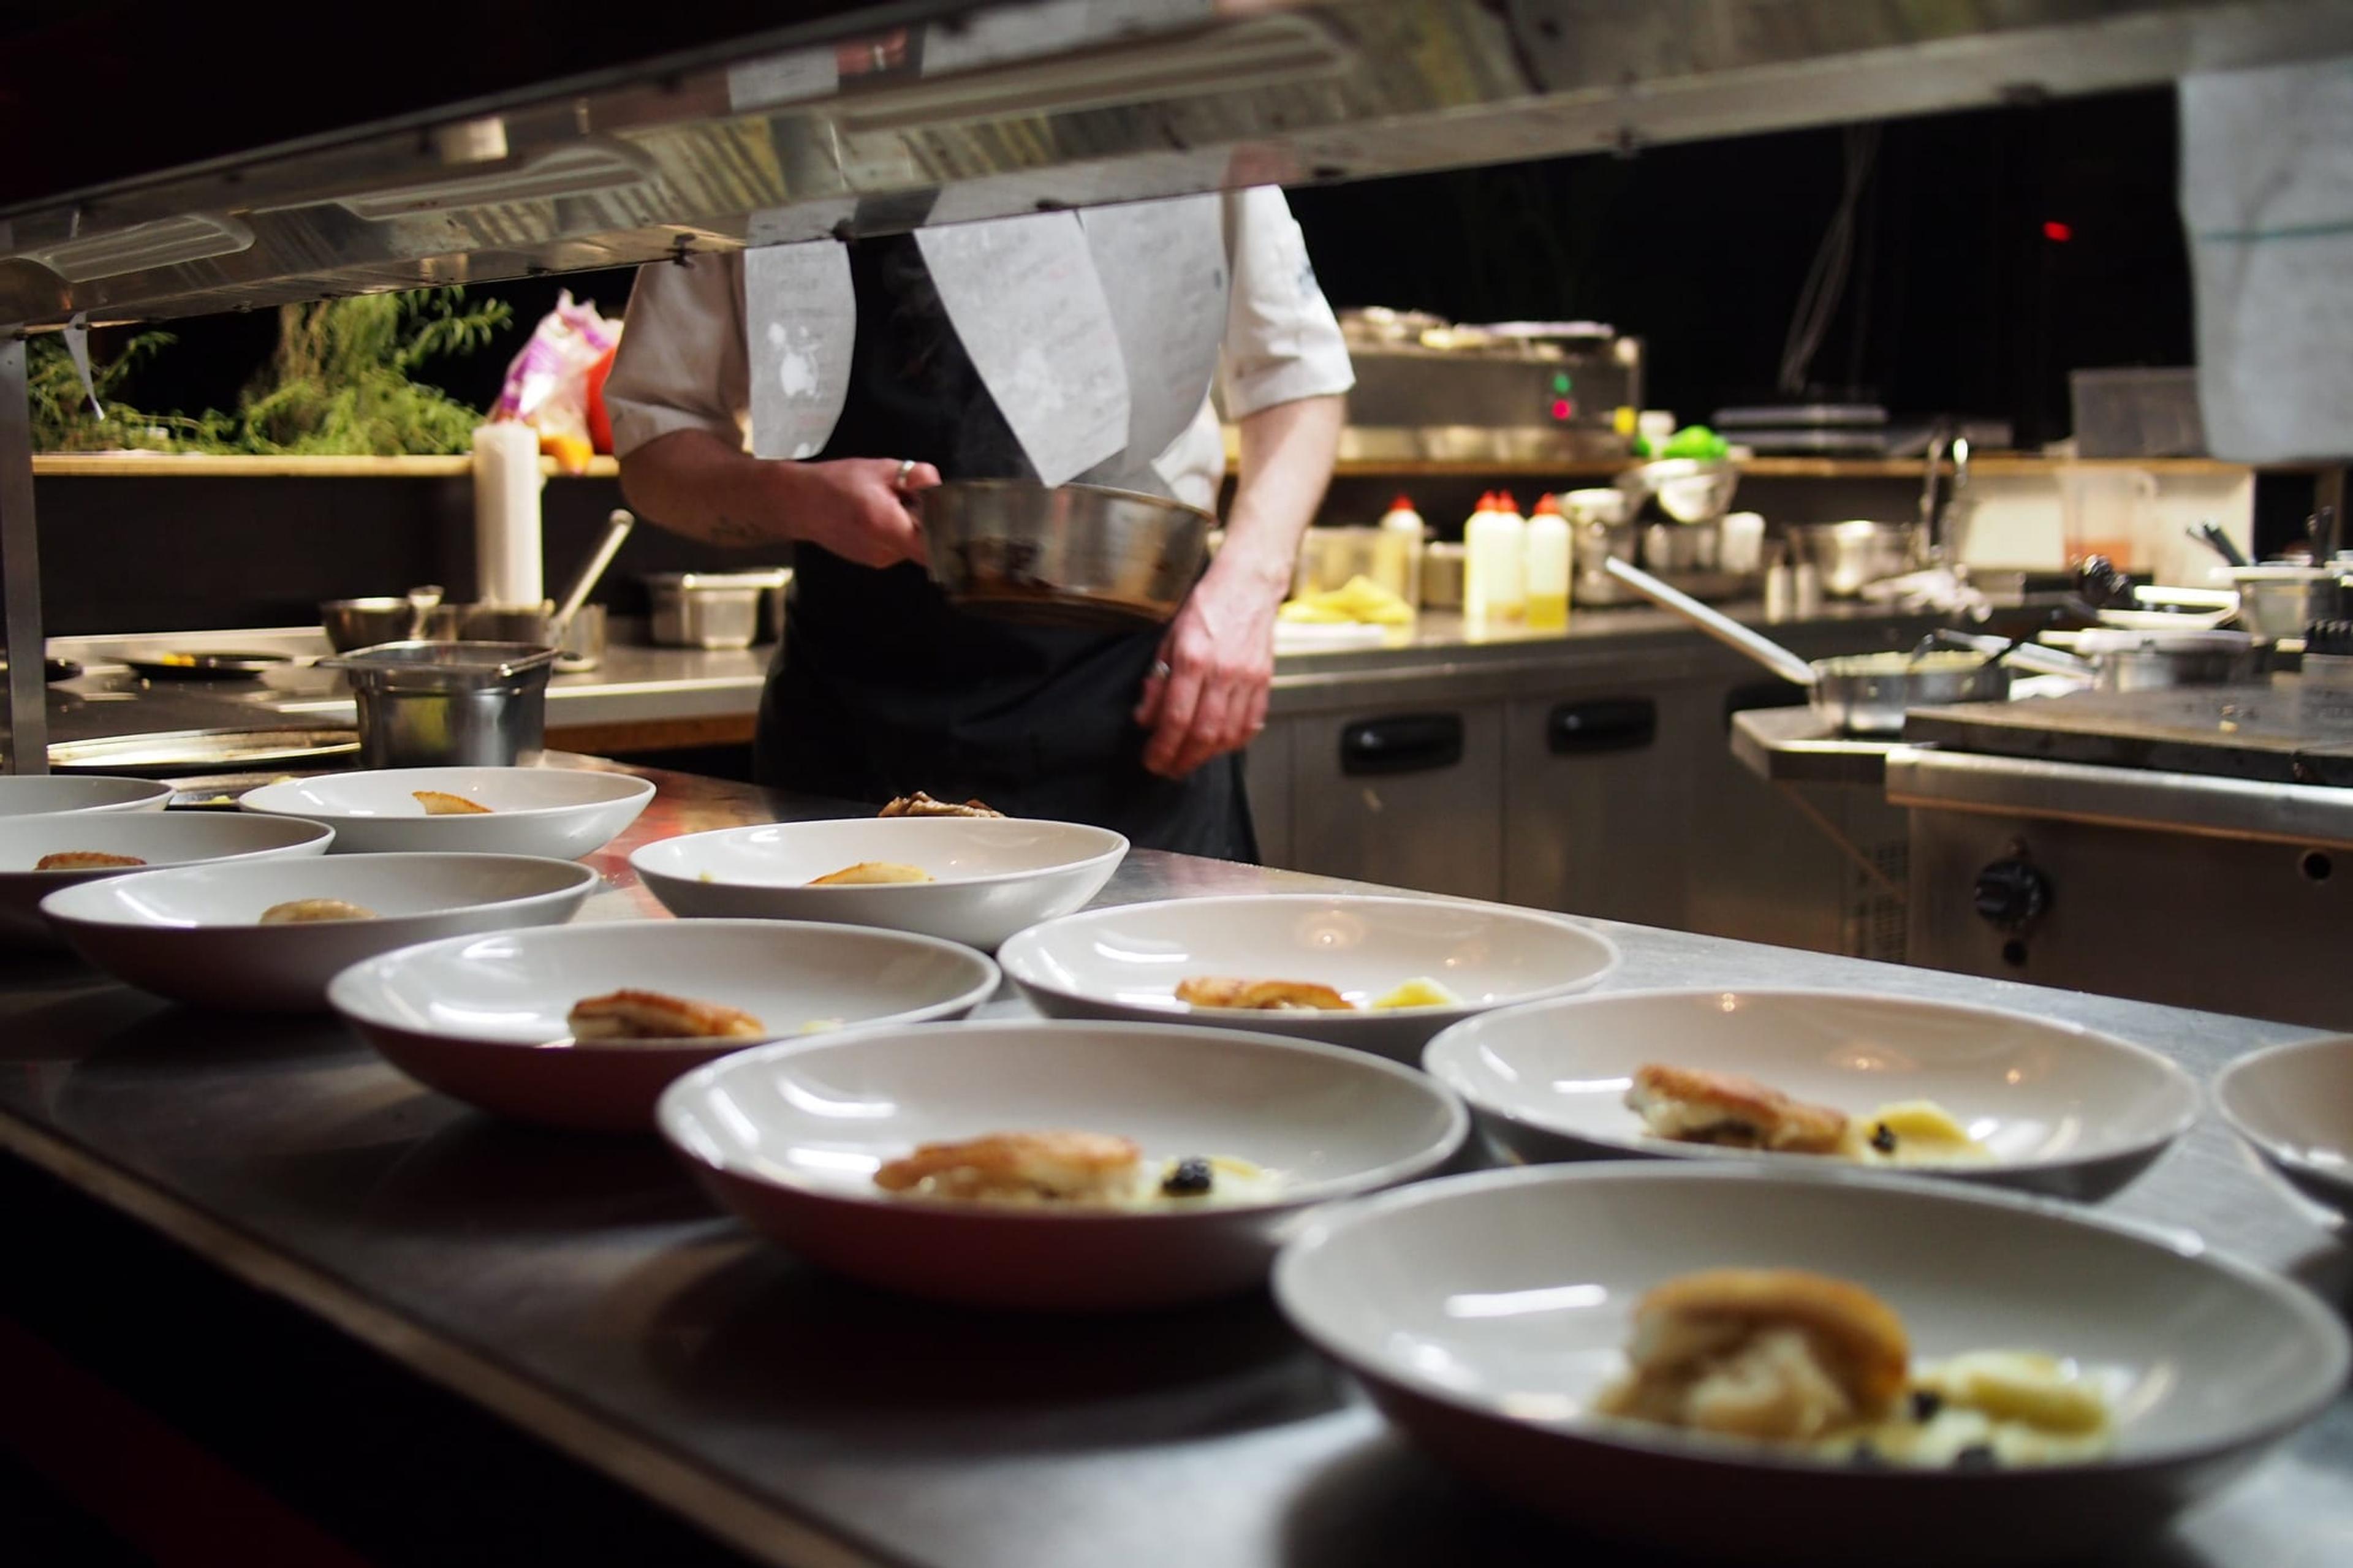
(582, 1289)
(641, 684)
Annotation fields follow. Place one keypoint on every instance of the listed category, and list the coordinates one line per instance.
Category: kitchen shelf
(179, 465)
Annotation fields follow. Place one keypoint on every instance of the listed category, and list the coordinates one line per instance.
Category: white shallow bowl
(481, 1018)
(1484, 1314)
(2067, 1110)
(190, 933)
(564, 812)
(2293, 1104)
(29, 794)
(160, 838)
(992, 876)
(1126, 963)
(789, 1137)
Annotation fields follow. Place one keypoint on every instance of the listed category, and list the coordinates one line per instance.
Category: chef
(1056, 346)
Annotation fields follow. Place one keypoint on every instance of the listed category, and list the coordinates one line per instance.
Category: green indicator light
(1560, 382)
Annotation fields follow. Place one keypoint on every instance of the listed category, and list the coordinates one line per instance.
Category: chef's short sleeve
(681, 364)
(1282, 342)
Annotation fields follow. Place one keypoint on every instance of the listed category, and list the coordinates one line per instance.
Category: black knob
(2011, 894)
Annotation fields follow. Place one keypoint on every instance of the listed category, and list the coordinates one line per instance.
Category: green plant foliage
(338, 383)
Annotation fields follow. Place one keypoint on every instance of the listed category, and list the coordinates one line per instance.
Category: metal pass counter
(581, 1289)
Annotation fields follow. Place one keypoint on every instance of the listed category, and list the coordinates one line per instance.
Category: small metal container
(710, 609)
(1867, 694)
(1072, 555)
(488, 623)
(1681, 546)
(1850, 554)
(1441, 576)
(583, 640)
(2279, 601)
(435, 704)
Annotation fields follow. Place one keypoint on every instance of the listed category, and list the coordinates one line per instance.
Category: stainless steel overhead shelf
(891, 118)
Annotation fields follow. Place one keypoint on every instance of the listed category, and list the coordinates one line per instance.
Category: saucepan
(1063, 555)
(1862, 694)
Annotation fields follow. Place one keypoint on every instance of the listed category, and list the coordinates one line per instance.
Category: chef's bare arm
(693, 482)
(1220, 648)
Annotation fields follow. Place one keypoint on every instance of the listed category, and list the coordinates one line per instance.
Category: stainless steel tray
(189, 751)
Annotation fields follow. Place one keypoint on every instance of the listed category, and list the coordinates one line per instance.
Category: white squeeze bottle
(1397, 554)
(1478, 571)
(1510, 600)
(1548, 567)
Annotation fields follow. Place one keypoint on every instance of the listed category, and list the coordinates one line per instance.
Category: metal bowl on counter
(1847, 555)
(432, 704)
(365, 623)
(1068, 556)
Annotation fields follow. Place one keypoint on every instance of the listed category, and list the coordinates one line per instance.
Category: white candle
(506, 514)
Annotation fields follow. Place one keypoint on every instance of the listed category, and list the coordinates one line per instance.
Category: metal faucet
(1935, 510)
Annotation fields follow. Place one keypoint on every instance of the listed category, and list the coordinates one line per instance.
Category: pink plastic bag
(547, 383)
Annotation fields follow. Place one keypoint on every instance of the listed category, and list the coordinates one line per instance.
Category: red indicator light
(1562, 409)
(2058, 233)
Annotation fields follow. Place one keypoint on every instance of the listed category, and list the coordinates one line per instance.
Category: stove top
(2280, 730)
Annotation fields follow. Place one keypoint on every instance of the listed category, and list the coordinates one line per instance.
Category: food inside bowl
(84, 861)
(1078, 1169)
(628, 1015)
(1824, 1367)
(1692, 1105)
(1306, 995)
(870, 873)
(441, 802)
(921, 804)
(302, 911)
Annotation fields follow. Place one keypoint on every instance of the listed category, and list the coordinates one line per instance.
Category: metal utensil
(1072, 555)
(1863, 694)
(2212, 536)
(592, 571)
(429, 704)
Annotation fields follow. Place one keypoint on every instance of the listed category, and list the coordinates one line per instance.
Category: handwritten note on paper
(1163, 271)
(800, 323)
(1023, 296)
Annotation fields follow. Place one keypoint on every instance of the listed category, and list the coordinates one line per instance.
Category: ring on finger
(1161, 669)
(899, 480)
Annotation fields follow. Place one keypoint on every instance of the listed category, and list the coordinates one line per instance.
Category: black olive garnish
(1976, 1457)
(1187, 1178)
(1883, 1138)
(1925, 1403)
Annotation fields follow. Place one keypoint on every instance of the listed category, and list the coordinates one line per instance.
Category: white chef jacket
(682, 364)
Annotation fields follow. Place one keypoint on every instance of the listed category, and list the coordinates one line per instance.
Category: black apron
(881, 688)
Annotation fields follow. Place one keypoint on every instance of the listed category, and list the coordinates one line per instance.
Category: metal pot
(710, 609)
(1862, 694)
(433, 704)
(1441, 576)
(2151, 661)
(2279, 601)
(1069, 555)
(1847, 555)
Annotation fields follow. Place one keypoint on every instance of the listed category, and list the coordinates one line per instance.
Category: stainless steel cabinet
(1598, 798)
(1405, 796)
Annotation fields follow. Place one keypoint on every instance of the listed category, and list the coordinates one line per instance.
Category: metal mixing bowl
(1073, 555)
(1850, 554)
(363, 623)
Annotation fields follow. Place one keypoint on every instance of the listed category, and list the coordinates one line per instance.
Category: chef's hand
(1219, 654)
(855, 507)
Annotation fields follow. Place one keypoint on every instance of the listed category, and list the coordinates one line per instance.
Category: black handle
(1608, 724)
(1408, 743)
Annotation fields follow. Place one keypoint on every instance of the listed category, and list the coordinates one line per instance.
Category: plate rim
(1112, 853)
(644, 790)
(2280, 1154)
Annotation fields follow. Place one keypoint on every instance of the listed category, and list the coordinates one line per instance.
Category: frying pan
(1862, 694)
